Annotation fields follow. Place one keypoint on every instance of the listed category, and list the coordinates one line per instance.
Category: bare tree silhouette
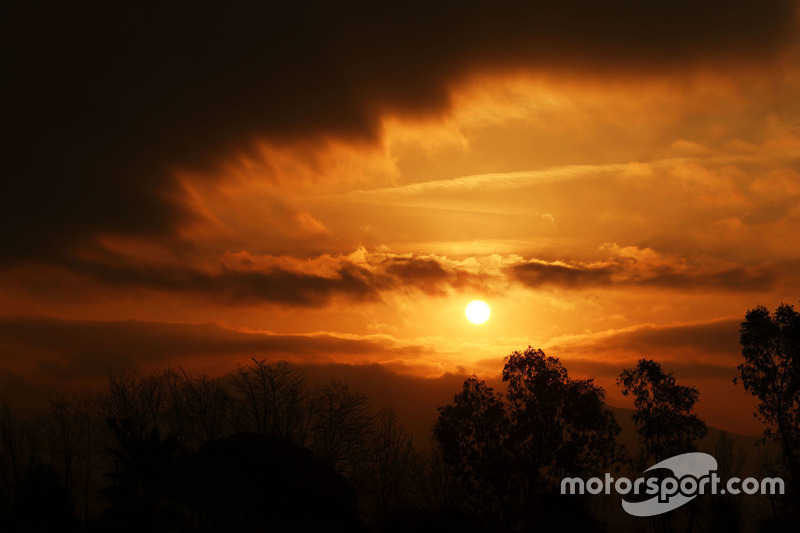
(389, 464)
(341, 426)
(199, 408)
(273, 400)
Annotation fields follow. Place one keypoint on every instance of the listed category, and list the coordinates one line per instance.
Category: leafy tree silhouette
(472, 434)
(511, 450)
(771, 372)
(665, 426)
(560, 423)
(664, 420)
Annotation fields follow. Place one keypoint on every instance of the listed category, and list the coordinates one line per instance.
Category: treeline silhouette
(263, 450)
(169, 451)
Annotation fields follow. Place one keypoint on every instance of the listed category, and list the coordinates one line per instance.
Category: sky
(331, 185)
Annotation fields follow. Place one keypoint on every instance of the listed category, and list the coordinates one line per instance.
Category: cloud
(71, 349)
(20, 394)
(244, 279)
(105, 102)
(703, 348)
(700, 354)
(496, 180)
(240, 287)
(633, 266)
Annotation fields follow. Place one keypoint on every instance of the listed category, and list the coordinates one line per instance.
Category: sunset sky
(326, 183)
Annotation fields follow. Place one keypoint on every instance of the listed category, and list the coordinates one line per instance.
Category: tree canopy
(664, 419)
(508, 448)
(771, 372)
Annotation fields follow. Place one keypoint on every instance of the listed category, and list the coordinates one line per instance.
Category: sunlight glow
(477, 312)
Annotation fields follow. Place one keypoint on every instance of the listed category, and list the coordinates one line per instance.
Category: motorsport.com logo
(692, 474)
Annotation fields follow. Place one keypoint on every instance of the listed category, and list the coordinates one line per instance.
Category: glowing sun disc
(477, 312)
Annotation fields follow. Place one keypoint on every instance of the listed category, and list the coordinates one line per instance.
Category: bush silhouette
(258, 483)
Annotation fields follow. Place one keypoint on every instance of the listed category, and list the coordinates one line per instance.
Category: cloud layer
(104, 102)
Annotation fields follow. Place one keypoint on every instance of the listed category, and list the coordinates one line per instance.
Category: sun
(477, 312)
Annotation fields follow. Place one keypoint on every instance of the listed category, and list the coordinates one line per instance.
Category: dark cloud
(537, 274)
(684, 344)
(252, 284)
(426, 271)
(103, 100)
(683, 369)
(239, 287)
(22, 395)
(718, 337)
(427, 275)
(77, 348)
(315, 282)
(770, 212)
(734, 279)
(696, 350)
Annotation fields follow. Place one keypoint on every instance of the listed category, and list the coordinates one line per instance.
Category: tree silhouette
(389, 466)
(199, 408)
(472, 434)
(726, 509)
(512, 450)
(67, 440)
(32, 497)
(771, 372)
(14, 447)
(273, 400)
(341, 426)
(145, 483)
(664, 420)
(560, 424)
